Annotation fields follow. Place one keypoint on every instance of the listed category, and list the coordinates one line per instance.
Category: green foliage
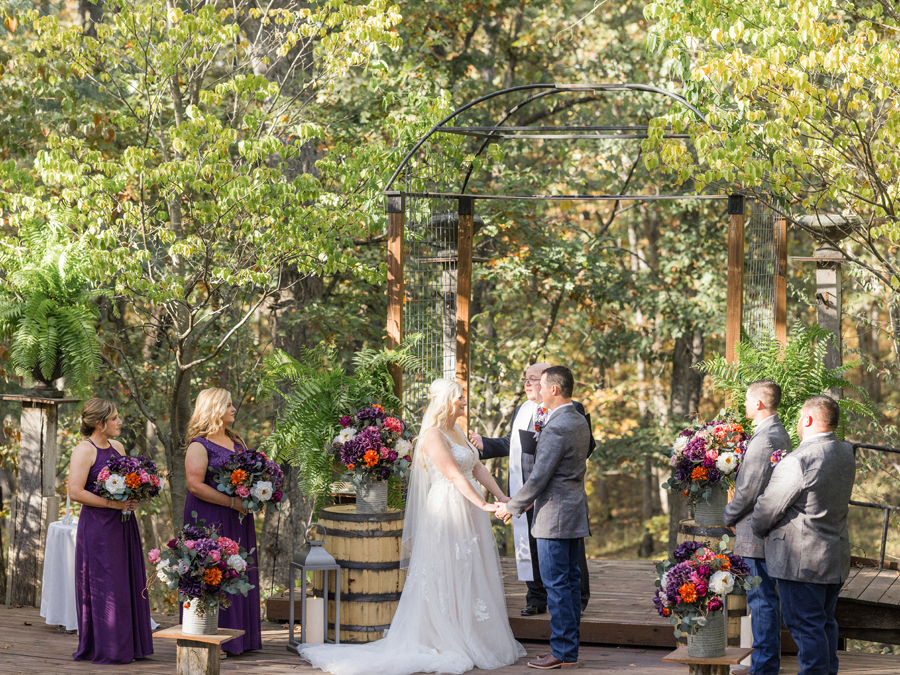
(46, 306)
(797, 367)
(319, 391)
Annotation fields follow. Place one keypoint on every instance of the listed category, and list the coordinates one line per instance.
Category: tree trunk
(867, 334)
(89, 15)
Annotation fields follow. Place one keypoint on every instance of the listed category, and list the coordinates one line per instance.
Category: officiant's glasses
(531, 380)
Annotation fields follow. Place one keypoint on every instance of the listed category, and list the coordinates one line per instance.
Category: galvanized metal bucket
(710, 640)
(194, 624)
(371, 497)
(710, 513)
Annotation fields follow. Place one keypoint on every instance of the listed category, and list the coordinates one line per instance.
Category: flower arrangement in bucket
(373, 446)
(206, 569)
(691, 590)
(125, 478)
(705, 459)
(254, 478)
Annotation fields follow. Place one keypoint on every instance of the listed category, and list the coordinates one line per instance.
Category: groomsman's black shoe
(533, 610)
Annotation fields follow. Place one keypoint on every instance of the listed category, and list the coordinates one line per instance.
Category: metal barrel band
(354, 565)
(362, 517)
(365, 534)
(363, 597)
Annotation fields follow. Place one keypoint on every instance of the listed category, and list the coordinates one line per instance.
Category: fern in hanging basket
(46, 309)
(798, 368)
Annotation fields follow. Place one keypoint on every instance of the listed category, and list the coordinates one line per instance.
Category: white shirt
(550, 414)
(821, 433)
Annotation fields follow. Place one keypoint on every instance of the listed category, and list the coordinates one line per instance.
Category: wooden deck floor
(29, 647)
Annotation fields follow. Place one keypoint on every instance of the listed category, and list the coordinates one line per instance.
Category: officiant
(519, 445)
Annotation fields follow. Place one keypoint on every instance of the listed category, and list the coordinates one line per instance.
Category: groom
(560, 521)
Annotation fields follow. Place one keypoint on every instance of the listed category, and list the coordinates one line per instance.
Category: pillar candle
(314, 630)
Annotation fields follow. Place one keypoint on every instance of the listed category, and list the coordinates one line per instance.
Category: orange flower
(688, 592)
(351, 466)
(133, 480)
(684, 492)
(725, 562)
(700, 473)
(666, 611)
(371, 457)
(238, 476)
(378, 407)
(213, 576)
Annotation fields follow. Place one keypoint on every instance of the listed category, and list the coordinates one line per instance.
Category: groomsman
(761, 405)
(803, 517)
(519, 445)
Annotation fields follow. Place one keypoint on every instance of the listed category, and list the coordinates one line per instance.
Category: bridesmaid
(212, 444)
(110, 579)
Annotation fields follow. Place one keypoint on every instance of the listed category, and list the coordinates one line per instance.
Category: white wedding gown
(452, 614)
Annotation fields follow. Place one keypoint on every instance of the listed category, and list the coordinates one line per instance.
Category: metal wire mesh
(760, 263)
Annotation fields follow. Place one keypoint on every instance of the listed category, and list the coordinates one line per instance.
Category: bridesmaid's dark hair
(94, 413)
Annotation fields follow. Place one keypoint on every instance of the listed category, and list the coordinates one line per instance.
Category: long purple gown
(110, 582)
(243, 614)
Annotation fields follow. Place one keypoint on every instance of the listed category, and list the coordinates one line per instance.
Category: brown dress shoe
(549, 662)
(741, 671)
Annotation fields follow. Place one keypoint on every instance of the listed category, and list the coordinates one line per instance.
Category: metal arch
(554, 88)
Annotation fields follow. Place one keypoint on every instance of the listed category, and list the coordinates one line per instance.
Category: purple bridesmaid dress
(243, 614)
(110, 583)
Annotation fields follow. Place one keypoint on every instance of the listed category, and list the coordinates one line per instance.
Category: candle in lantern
(315, 621)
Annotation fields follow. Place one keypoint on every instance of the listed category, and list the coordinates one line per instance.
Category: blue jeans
(765, 617)
(809, 615)
(559, 561)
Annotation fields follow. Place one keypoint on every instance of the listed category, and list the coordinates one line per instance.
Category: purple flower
(738, 564)
(685, 550)
(708, 463)
(714, 476)
(392, 456)
(370, 413)
(190, 587)
(172, 544)
(702, 588)
(714, 604)
(277, 496)
(346, 421)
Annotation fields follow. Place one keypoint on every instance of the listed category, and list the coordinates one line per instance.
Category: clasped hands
(498, 508)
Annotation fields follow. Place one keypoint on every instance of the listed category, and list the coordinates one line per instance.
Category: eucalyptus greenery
(46, 307)
(797, 367)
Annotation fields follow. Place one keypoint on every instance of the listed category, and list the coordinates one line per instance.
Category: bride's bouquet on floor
(373, 445)
(124, 478)
(253, 478)
(203, 566)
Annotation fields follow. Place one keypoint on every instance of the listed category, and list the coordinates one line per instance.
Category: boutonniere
(777, 456)
(540, 420)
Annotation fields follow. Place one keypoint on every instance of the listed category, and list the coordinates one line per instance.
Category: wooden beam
(734, 307)
(396, 208)
(464, 296)
(781, 280)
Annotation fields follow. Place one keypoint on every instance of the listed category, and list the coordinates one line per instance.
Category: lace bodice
(465, 456)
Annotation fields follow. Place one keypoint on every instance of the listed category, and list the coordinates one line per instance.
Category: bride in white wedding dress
(452, 614)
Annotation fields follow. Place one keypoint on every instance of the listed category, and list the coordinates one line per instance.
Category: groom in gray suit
(803, 516)
(560, 521)
(761, 406)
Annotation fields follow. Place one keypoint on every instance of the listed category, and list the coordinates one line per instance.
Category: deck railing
(887, 508)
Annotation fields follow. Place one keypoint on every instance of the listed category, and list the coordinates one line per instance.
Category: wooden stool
(715, 666)
(198, 654)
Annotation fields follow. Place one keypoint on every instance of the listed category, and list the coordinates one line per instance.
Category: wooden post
(36, 504)
(828, 306)
(781, 280)
(396, 207)
(734, 307)
(464, 295)
(198, 654)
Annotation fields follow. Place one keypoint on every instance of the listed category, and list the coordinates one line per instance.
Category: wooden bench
(715, 666)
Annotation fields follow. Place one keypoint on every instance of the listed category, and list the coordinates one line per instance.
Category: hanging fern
(797, 367)
(46, 307)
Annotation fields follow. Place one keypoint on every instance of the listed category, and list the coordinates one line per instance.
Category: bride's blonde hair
(206, 420)
(443, 393)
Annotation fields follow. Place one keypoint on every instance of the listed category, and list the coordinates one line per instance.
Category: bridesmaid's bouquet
(125, 478)
(254, 478)
(204, 566)
(373, 445)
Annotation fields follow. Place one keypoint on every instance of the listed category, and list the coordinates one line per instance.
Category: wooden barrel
(367, 547)
(735, 604)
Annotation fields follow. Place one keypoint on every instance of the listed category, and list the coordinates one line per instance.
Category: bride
(452, 614)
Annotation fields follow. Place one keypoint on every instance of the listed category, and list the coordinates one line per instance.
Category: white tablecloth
(58, 589)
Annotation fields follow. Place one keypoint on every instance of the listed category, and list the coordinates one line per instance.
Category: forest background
(219, 180)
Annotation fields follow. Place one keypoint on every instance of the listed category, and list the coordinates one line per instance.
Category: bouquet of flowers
(373, 445)
(254, 478)
(695, 581)
(203, 565)
(706, 457)
(125, 478)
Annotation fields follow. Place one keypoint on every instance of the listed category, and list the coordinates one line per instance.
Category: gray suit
(803, 513)
(752, 479)
(556, 484)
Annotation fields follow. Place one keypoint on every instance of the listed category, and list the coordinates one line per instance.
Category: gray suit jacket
(803, 513)
(752, 479)
(556, 484)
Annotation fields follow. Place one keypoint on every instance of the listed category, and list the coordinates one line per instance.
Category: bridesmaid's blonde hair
(94, 413)
(206, 420)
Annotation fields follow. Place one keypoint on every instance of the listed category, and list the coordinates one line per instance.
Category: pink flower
(215, 555)
(714, 605)
(227, 546)
(408, 458)
(190, 543)
(384, 453)
(242, 490)
(104, 473)
(153, 555)
(154, 480)
(145, 477)
(712, 453)
(393, 424)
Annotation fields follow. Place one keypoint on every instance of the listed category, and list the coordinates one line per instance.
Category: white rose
(347, 434)
(721, 582)
(727, 462)
(115, 484)
(680, 444)
(262, 490)
(162, 569)
(237, 563)
(403, 447)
